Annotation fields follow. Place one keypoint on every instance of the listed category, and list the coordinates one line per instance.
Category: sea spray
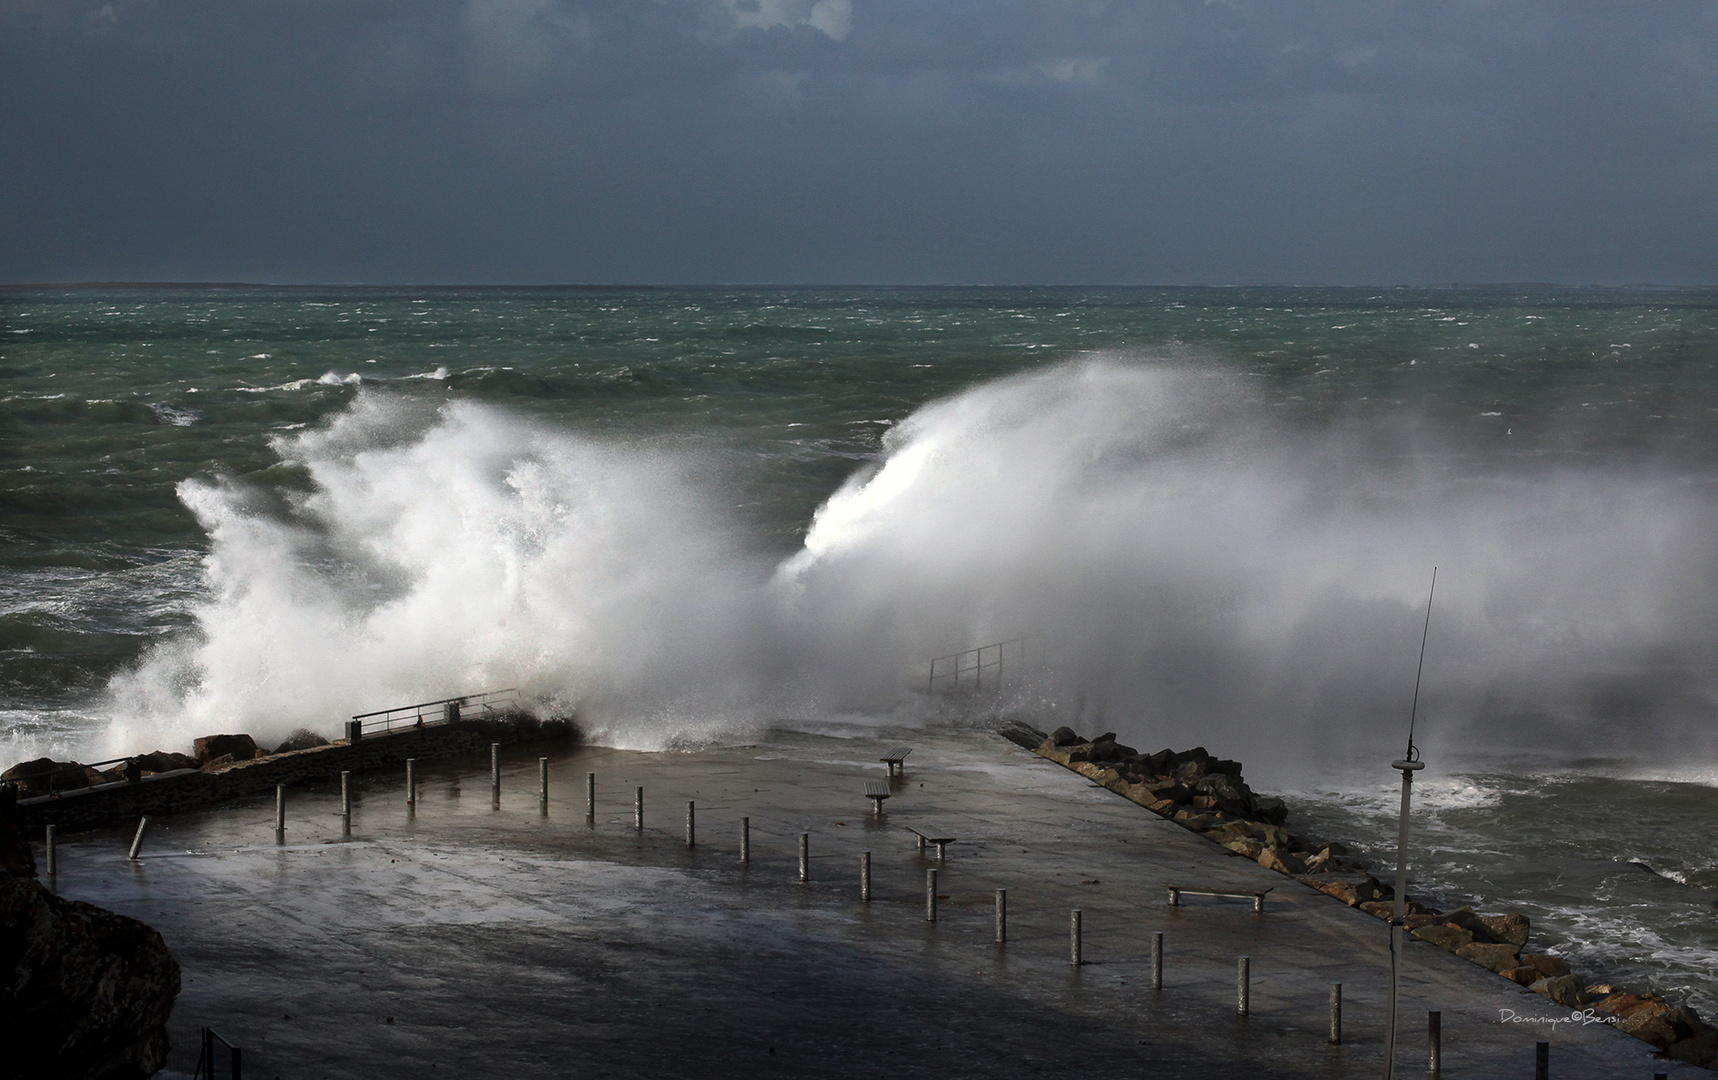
(436, 554)
(1194, 570)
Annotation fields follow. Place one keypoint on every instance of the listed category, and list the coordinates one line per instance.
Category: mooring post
(691, 825)
(931, 895)
(638, 809)
(1336, 1014)
(280, 812)
(1001, 916)
(495, 775)
(1074, 953)
(543, 786)
(590, 798)
(345, 804)
(1157, 961)
(53, 855)
(745, 840)
(137, 841)
(1542, 1061)
(804, 857)
(1242, 978)
(865, 875)
(411, 783)
(1434, 1042)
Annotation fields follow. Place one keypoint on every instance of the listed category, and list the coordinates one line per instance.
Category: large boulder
(1015, 731)
(1661, 1025)
(1447, 938)
(1701, 1049)
(161, 761)
(1510, 929)
(305, 739)
(1465, 918)
(210, 747)
(1282, 861)
(83, 992)
(43, 776)
(1231, 794)
(1270, 809)
(1351, 889)
(1563, 989)
(1547, 965)
(1622, 1004)
(1497, 957)
(1063, 736)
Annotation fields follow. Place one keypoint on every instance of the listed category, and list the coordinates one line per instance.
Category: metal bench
(896, 760)
(1257, 895)
(877, 791)
(931, 836)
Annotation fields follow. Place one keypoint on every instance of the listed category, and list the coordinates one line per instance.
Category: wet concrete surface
(461, 940)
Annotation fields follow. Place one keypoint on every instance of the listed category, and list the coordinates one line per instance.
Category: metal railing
(206, 1059)
(978, 669)
(491, 704)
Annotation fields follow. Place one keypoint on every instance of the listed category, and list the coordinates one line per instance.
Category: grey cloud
(865, 140)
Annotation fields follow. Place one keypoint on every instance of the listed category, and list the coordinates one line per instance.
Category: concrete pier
(458, 941)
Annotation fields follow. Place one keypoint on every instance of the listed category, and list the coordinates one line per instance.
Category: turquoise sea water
(683, 512)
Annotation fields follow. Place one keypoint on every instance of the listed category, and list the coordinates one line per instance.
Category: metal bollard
(1434, 1042)
(590, 798)
(411, 783)
(280, 811)
(931, 895)
(1157, 961)
(1074, 955)
(865, 875)
(52, 854)
(638, 810)
(1336, 1015)
(804, 857)
(543, 786)
(346, 804)
(691, 825)
(1243, 975)
(1542, 1061)
(495, 775)
(1001, 916)
(745, 840)
(137, 841)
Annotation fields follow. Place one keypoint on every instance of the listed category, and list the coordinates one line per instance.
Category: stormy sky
(849, 141)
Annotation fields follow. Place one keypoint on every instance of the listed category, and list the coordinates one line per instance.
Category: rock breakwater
(1209, 795)
(73, 797)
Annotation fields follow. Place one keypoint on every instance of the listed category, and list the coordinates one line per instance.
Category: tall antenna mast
(1414, 751)
(1409, 764)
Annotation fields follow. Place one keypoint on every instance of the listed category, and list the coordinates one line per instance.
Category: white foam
(1193, 573)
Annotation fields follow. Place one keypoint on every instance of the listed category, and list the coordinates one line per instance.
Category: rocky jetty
(1208, 795)
(84, 994)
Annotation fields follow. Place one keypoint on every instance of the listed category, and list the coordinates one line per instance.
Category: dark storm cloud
(857, 140)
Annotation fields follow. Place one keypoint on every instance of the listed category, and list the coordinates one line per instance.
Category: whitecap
(167, 414)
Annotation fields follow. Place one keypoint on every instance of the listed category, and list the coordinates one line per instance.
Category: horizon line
(594, 286)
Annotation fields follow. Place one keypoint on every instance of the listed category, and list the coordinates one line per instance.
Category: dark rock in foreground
(84, 993)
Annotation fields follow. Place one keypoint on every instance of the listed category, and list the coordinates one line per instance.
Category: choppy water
(688, 512)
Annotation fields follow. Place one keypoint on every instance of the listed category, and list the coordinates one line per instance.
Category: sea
(1303, 527)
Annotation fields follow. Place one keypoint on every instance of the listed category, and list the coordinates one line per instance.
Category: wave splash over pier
(1189, 568)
